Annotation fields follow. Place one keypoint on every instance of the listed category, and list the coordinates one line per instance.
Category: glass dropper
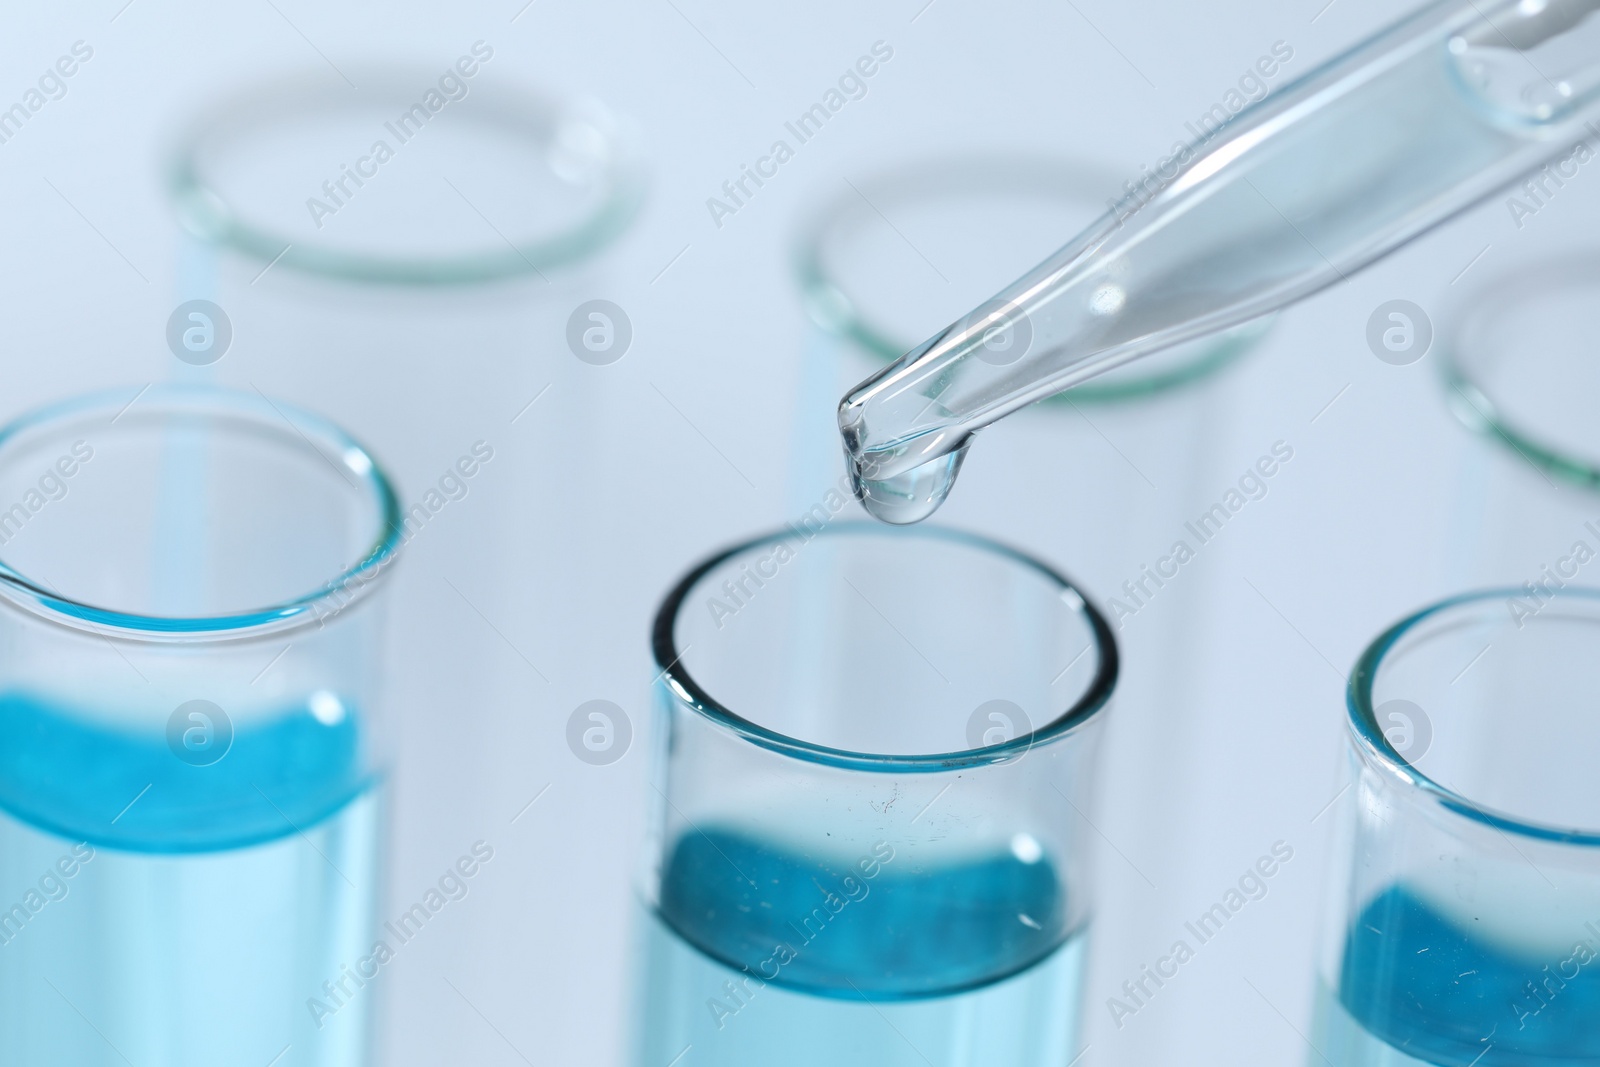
(1315, 182)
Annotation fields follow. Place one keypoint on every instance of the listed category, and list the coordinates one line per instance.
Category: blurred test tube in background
(1517, 368)
(418, 248)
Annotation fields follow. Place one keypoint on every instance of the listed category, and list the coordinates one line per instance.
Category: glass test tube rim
(1376, 750)
(676, 677)
(1470, 400)
(206, 214)
(834, 310)
(239, 409)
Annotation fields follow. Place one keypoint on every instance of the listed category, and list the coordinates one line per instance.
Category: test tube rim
(1470, 400)
(206, 214)
(681, 686)
(848, 321)
(1369, 738)
(340, 594)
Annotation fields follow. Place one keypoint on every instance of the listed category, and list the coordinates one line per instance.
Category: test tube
(195, 745)
(435, 226)
(1518, 369)
(874, 792)
(373, 176)
(1465, 919)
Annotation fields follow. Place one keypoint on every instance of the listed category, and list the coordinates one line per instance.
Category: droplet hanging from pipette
(907, 496)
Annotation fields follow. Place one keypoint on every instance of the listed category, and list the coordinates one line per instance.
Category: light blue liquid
(1418, 988)
(967, 962)
(196, 923)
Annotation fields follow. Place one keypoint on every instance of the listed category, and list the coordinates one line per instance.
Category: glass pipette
(1295, 193)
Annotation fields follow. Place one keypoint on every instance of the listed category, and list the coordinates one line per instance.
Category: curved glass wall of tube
(197, 734)
(1462, 927)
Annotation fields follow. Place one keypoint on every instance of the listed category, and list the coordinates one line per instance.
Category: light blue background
(693, 438)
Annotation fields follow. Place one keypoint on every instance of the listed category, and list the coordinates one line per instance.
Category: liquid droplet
(909, 496)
